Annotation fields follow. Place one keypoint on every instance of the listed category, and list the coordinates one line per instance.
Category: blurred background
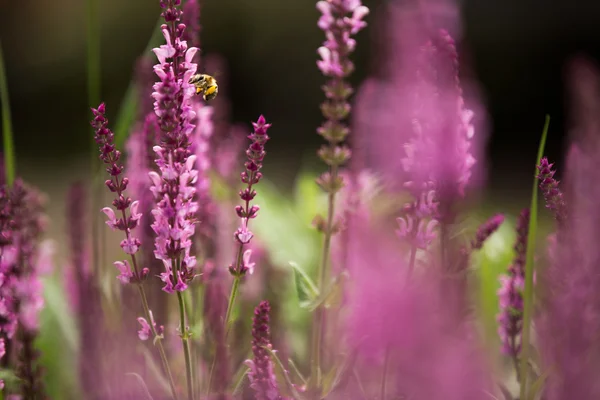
(515, 49)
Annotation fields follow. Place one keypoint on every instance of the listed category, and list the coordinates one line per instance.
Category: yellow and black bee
(205, 85)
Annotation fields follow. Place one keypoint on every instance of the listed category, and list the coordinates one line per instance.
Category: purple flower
(145, 331)
(262, 378)
(510, 294)
(339, 20)
(175, 187)
(486, 230)
(118, 184)
(251, 176)
(552, 194)
(569, 319)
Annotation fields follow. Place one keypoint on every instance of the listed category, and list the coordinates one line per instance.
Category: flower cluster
(262, 378)
(251, 176)
(486, 230)
(510, 293)
(23, 260)
(118, 184)
(552, 194)
(174, 188)
(438, 160)
(340, 20)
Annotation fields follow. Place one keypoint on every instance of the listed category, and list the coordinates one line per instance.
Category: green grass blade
(9, 147)
(128, 109)
(529, 269)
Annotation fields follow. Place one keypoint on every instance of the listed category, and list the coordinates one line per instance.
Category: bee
(205, 85)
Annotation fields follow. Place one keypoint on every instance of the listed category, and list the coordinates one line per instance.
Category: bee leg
(199, 90)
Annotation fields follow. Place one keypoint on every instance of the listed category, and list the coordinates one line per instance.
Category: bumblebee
(205, 85)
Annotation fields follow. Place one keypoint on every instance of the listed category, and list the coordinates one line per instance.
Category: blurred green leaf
(286, 386)
(493, 259)
(529, 270)
(142, 384)
(305, 288)
(9, 147)
(58, 342)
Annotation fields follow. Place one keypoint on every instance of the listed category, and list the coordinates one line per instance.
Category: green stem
(158, 343)
(232, 296)
(323, 273)
(9, 147)
(186, 348)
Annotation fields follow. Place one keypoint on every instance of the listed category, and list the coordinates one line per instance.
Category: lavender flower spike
(117, 184)
(174, 188)
(340, 20)
(510, 318)
(486, 230)
(262, 378)
(552, 194)
(251, 176)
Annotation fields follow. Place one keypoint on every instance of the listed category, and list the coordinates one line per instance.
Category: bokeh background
(516, 49)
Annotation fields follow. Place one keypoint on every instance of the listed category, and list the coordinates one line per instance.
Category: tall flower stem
(186, 348)
(157, 339)
(323, 273)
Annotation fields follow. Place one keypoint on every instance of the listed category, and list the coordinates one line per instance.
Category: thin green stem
(186, 347)
(323, 274)
(158, 343)
(529, 270)
(232, 296)
(9, 147)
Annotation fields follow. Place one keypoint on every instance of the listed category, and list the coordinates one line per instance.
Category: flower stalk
(339, 20)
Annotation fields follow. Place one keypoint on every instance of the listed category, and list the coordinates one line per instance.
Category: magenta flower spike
(251, 176)
(486, 230)
(262, 377)
(510, 318)
(550, 188)
(119, 220)
(174, 187)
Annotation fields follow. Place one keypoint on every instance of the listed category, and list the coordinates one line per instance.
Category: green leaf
(296, 371)
(239, 381)
(341, 372)
(286, 386)
(142, 384)
(536, 387)
(305, 288)
(9, 147)
(529, 270)
(332, 296)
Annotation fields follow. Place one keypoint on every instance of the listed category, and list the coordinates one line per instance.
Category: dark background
(517, 49)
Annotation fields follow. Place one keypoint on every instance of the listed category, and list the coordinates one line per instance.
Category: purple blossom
(262, 377)
(145, 331)
(340, 19)
(251, 176)
(486, 230)
(552, 194)
(175, 187)
(118, 184)
(510, 294)
(569, 319)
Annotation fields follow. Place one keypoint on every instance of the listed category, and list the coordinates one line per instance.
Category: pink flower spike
(130, 245)
(125, 273)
